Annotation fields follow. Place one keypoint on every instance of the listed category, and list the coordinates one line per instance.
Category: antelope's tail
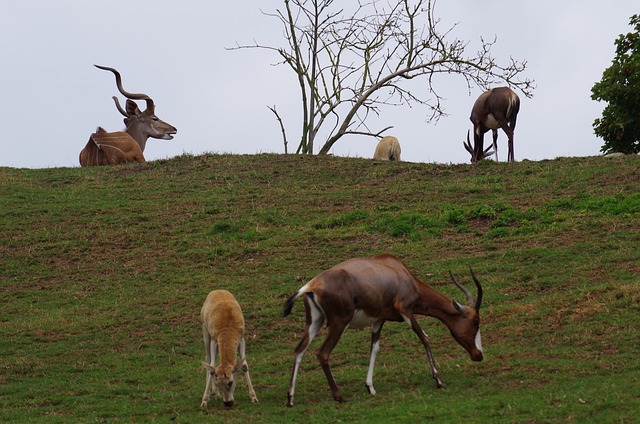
(288, 305)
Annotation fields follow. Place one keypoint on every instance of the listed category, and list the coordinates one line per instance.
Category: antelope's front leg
(207, 390)
(425, 342)
(214, 356)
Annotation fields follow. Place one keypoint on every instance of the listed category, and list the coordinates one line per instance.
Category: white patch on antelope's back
(479, 341)
(361, 320)
(490, 122)
(512, 102)
(305, 288)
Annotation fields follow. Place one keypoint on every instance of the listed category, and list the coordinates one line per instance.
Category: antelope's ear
(132, 108)
(460, 309)
(208, 367)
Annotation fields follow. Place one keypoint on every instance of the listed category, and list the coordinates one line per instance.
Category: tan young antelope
(366, 292)
(496, 108)
(223, 335)
(112, 148)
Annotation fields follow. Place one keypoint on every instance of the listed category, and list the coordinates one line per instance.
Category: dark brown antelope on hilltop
(366, 292)
(496, 108)
(112, 148)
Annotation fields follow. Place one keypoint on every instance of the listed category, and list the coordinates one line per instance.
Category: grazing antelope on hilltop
(366, 292)
(223, 333)
(112, 148)
(387, 149)
(496, 108)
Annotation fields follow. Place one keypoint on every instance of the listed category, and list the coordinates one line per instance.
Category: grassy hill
(103, 272)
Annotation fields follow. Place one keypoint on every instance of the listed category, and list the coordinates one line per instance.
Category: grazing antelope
(388, 149)
(496, 108)
(366, 292)
(112, 148)
(223, 332)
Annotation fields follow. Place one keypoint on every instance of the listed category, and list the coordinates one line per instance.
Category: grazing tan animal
(366, 292)
(223, 333)
(496, 108)
(388, 149)
(112, 148)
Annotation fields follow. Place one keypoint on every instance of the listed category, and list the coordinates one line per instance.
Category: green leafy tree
(619, 125)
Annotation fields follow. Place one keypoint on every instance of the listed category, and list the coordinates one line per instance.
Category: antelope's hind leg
(314, 321)
(245, 368)
(334, 332)
(376, 329)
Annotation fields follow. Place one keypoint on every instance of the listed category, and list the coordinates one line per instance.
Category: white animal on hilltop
(388, 149)
(366, 292)
(223, 333)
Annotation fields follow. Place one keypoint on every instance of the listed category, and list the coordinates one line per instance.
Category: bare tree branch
(284, 132)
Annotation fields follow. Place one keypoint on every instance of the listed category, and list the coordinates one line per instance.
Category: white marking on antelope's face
(226, 385)
(479, 341)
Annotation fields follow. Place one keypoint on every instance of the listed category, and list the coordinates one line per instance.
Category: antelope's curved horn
(479, 286)
(487, 152)
(120, 109)
(132, 96)
(467, 144)
(470, 299)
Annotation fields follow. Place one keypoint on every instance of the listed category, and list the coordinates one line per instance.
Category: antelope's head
(476, 156)
(224, 380)
(140, 124)
(465, 328)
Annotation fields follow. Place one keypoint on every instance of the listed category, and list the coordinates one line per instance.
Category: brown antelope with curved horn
(112, 148)
(366, 292)
(496, 108)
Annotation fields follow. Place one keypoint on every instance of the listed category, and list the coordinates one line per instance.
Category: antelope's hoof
(340, 399)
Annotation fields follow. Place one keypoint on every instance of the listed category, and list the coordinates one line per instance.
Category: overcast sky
(53, 98)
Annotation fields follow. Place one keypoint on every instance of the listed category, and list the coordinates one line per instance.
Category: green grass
(103, 272)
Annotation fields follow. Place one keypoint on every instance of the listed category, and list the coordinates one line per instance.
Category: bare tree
(350, 63)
